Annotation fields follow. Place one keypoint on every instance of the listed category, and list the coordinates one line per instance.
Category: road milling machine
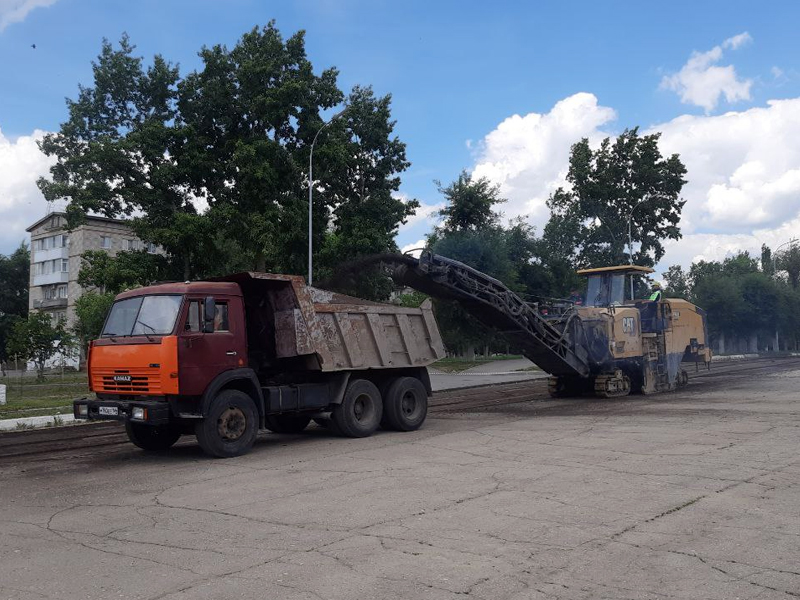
(610, 346)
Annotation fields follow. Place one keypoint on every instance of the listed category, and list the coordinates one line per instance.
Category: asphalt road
(504, 494)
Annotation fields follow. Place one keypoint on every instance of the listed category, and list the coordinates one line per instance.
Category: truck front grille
(115, 381)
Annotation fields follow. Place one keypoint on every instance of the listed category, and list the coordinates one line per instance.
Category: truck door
(203, 356)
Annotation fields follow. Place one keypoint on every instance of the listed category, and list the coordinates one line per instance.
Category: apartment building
(56, 258)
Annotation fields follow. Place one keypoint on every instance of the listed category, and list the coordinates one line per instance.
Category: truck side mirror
(209, 312)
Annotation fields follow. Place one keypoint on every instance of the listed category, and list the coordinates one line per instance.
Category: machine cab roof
(612, 286)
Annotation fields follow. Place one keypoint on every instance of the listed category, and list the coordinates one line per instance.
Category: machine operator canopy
(611, 286)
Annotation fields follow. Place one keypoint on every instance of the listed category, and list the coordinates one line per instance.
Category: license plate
(112, 411)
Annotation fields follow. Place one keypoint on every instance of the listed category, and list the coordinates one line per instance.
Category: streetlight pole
(790, 243)
(311, 192)
(630, 236)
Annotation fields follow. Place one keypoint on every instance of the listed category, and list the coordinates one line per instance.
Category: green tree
(249, 116)
(360, 162)
(116, 154)
(126, 270)
(677, 283)
(235, 136)
(789, 260)
(38, 339)
(767, 261)
(15, 277)
(470, 203)
(471, 233)
(91, 310)
(627, 181)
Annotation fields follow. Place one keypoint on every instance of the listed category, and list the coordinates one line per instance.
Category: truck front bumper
(151, 412)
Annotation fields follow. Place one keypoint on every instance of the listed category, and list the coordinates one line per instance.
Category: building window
(151, 248)
(105, 242)
(65, 265)
(62, 291)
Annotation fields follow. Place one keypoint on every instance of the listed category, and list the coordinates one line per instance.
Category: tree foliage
(91, 310)
(126, 270)
(14, 280)
(678, 285)
(627, 181)
(234, 136)
(470, 204)
(789, 261)
(38, 339)
(742, 297)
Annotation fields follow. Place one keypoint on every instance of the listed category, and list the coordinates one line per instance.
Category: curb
(36, 422)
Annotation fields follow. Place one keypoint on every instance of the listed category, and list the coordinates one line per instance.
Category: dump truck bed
(289, 319)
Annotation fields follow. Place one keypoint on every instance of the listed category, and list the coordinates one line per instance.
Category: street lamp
(311, 191)
(630, 237)
(790, 243)
(630, 216)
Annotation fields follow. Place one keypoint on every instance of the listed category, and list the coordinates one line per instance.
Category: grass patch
(27, 397)
(456, 365)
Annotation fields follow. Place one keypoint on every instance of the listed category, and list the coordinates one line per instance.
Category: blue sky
(458, 73)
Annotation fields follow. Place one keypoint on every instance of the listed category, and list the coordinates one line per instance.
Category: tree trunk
(721, 342)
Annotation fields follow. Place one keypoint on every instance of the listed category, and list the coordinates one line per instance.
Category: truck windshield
(142, 315)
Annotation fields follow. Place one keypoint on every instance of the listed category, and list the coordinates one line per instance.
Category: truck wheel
(153, 438)
(287, 423)
(230, 427)
(405, 405)
(361, 410)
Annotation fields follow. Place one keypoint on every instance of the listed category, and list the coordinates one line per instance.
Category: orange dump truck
(222, 359)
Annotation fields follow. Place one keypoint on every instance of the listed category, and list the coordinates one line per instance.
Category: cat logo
(628, 325)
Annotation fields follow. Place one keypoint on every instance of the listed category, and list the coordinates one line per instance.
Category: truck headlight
(139, 413)
(83, 410)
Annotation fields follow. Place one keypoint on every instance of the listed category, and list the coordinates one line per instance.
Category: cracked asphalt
(686, 495)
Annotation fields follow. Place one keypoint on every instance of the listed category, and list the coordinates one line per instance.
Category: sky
(500, 89)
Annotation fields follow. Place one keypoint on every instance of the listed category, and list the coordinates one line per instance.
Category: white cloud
(743, 167)
(21, 202)
(702, 82)
(527, 155)
(416, 246)
(743, 170)
(426, 213)
(15, 11)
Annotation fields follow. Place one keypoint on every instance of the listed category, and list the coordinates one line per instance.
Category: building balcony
(54, 303)
(50, 278)
(51, 254)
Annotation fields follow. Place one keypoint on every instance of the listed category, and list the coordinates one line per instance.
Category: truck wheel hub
(362, 408)
(408, 404)
(231, 424)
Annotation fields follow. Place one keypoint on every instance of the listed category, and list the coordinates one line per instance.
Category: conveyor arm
(550, 346)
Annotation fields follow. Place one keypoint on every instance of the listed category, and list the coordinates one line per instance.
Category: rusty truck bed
(344, 333)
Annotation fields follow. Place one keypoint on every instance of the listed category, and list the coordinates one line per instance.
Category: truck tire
(230, 427)
(152, 438)
(405, 405)
(287, 423)
(360, 412)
